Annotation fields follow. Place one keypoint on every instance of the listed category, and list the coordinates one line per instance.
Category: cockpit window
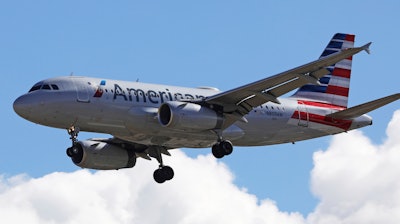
(45, 86)
(35, 87)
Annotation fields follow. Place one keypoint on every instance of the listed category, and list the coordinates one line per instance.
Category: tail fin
(334, 88)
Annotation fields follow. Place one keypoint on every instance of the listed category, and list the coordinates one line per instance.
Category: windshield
(44, 86)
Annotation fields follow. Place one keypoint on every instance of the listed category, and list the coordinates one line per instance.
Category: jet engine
(101, 156)
(189, 116)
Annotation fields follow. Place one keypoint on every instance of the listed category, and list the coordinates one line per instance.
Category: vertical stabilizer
(334, 88)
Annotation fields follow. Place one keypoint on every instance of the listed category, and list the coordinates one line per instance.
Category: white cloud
(201, 192)
(355, 180)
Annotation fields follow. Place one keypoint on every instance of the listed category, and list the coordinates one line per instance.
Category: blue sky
(223, 44)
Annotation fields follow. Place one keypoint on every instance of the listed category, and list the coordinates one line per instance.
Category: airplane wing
(364, 108)
(143, 151)
(238, 102)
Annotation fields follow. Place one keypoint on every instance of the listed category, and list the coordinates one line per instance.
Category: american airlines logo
(99, 91)
(140, 95)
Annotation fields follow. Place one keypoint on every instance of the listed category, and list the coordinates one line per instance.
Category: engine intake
(101, 156)
(183, 115)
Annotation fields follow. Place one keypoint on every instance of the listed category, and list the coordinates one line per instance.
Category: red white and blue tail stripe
(334, 88)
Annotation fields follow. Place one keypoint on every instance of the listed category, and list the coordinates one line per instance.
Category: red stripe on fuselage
(319, 104)
(320, 119)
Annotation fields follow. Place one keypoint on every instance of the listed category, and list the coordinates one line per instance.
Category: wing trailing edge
(364, 108)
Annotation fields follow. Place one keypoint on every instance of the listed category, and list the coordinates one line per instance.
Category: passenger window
(55, 87)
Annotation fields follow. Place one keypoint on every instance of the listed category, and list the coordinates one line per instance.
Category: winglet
(366, 47)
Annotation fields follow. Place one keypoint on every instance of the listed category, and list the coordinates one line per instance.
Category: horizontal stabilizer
(364, 108)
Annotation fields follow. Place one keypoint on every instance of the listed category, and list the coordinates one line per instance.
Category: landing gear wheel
(226, 147)
(168, 172)
(76, 153)
(216, 151)
(158, 176)
(69, 152)
(163, 174)
(222, 149)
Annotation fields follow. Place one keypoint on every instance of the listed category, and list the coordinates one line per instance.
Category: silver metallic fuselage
(128, 110)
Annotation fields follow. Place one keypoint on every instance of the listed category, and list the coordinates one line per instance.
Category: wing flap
(364, 108)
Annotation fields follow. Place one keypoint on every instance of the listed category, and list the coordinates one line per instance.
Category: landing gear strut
(222, 148)
(73, 132)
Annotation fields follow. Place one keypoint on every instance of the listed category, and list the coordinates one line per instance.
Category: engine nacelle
(183, 115)
(101, 156)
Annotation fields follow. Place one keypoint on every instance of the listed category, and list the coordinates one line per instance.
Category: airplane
(147, 120)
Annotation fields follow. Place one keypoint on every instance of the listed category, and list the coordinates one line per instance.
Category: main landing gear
(222, 148)
(163, 173)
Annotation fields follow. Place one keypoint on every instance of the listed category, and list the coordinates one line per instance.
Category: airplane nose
(22, 106)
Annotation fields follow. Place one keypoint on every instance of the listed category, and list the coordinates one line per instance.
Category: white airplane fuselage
(128, 111)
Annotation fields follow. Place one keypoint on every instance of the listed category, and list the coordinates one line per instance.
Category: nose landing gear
(73, 150)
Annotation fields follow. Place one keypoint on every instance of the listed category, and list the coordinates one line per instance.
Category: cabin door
(303, 114)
